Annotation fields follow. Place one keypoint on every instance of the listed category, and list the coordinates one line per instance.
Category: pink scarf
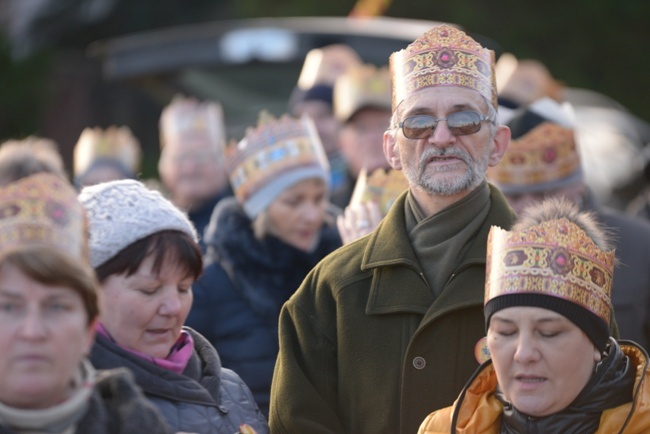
(175, 361)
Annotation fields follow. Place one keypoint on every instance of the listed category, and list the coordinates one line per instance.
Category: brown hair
(50, 267)
(173, 245)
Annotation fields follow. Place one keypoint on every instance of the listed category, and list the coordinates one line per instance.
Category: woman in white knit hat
(145, 253)
(262, 243)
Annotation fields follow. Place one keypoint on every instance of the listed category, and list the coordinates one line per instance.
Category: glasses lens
(418, 127)
(463, 123)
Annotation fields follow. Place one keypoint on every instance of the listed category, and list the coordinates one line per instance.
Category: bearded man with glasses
(391, 326)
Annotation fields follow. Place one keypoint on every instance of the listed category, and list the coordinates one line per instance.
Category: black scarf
(611, 385)
(267, 271)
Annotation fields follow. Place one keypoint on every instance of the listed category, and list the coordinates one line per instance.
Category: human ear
(500, 144)
(391, 150)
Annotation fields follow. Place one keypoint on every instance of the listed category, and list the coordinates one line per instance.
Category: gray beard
(474, 175)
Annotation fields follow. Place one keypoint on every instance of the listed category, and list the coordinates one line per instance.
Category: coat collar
(390, 254)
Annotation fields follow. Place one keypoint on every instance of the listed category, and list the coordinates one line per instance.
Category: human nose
(171, 303)
(526, 350)
(441, 134)
(33, 325)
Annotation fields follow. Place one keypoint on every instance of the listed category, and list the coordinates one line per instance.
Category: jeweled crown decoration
(554, 258)
(443, 56)
(324, 65)
(114, 143)
(42, 210)
(187, 119)
(361, 86)
(546, 153)
(381, 187)
(274, 147)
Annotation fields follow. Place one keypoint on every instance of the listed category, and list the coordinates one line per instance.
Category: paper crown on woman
(187, 119)
(272, 157)
(361, 86)
(42, 210)
(114, 144)
(553, 264)
(443, 56)
(543, 153)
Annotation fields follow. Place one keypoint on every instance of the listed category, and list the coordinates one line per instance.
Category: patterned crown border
(447, 56)
(546, 153)
(554, 258)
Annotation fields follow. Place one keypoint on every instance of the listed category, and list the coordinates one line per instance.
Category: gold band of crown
(114, 143)
(186, 119)
(361, 86)
(381, 187)
(555, 258)
(547, 153)
(443, 56)
(42, 209)
(274, 147)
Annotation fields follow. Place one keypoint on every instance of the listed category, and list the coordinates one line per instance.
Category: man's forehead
(443, 97)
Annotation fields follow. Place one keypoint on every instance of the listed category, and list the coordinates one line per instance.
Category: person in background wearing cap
(262, 243)
(362, 102)
(48, 312)
(384, 329)
(191, 166)
(554, 367)
(543, 160)
(146, 257)
(102, 155)
(313, 96)
(28, 156)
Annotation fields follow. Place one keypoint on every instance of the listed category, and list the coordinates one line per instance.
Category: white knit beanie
(125, 211)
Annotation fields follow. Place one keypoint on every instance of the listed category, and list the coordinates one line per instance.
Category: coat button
(419, 362)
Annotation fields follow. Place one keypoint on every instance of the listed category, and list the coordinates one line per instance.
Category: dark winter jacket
(117, 406)
(200, 216)
(205, 399)
(239, 315)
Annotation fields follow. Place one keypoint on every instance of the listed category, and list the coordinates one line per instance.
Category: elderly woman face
(542, 360)
(145, 311)
(44, 335)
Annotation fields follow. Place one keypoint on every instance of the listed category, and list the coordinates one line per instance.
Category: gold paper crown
(114, 143)
(545, 154)
(274, 147)
(381, 187)
(42, 210)
(443, 56)
(324, 65)
(361, 86)
(554, 258)
(189, 119)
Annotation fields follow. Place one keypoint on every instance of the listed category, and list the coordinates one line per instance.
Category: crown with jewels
(361, 86)
(273, 150)
(554, 258)
(545, 154)
(189, 119)
(322, 66)
(381, 186)
(114, 143)
(42, 210)
(443, 56)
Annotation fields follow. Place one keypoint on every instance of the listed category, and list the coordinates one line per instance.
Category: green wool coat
(365, 347)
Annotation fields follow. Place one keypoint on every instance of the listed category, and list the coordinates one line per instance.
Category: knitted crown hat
(272, 157)
(125, 211)
(554, 265)
(443, 56)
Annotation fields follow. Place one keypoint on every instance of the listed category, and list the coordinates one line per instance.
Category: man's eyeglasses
(459, 124)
